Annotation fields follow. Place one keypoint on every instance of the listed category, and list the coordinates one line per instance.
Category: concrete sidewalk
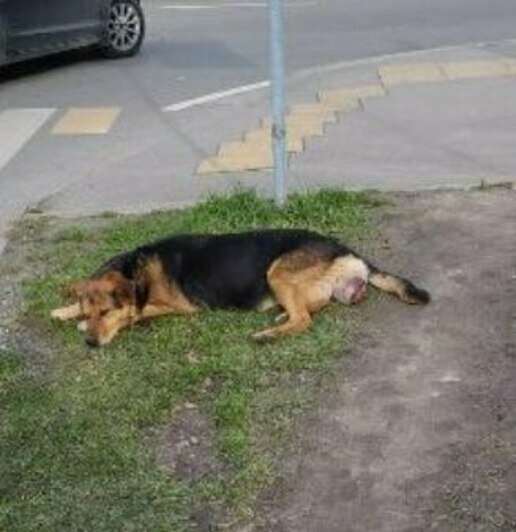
(424, 120)
(416, 121)
(436, 119)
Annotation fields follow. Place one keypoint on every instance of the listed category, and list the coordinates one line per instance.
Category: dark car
(33, 28)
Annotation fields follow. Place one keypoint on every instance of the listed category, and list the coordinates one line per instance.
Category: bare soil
(420, 434)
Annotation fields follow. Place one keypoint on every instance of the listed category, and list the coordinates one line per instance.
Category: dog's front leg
(119, 319)
(71, 312)
(155, 309)
(102, 331)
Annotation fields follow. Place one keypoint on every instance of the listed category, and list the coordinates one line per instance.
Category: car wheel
(125, 29)
(3, 41)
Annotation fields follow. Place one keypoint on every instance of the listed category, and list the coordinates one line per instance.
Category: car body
(34, 28)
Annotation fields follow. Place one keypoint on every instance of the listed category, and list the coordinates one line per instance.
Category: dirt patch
(184, 447)
(19, 332)
(421, 434)
(16, 333)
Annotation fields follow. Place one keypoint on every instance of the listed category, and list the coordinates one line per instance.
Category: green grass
(72, 452)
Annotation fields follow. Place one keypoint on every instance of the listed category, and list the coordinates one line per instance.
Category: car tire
(125, 29)
(3, 41)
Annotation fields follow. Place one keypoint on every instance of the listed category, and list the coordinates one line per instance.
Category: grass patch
(72, 452)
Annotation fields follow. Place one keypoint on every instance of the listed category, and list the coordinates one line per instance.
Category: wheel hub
(124, 26)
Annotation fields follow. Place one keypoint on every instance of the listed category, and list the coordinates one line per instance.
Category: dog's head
(106, 303)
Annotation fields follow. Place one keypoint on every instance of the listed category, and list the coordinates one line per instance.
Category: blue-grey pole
(276, 37)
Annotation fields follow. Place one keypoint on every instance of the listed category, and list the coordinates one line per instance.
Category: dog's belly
(224, 293)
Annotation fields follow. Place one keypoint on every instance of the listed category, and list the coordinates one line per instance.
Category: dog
(298, 270)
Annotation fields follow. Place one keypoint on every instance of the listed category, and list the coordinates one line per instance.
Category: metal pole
(276, 36)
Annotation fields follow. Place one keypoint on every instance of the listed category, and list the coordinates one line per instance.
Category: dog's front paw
(67, 313)
(60, 314)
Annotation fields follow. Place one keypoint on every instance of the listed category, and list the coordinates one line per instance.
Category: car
(35, 28)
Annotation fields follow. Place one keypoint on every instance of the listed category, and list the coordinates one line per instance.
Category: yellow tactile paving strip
(479, 69)
(411, 73)
(304, 121)
(407, 73)
(86, 121)
(307, 120)
(347, 97)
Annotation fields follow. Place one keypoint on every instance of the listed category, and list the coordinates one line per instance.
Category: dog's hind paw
(281, 317)
(263, 337)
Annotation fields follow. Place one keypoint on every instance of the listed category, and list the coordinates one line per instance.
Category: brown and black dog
(298, 270)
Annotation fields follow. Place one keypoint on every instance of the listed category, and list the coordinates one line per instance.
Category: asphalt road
(208, 50)
(193, 48)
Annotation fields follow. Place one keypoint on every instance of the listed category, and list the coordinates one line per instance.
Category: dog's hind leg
(297, 282)
(299, 319)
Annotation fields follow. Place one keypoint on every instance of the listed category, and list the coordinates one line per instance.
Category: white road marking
(226, 5)
(325, 68)
(17, 126)
(214, 96)
(188, 8)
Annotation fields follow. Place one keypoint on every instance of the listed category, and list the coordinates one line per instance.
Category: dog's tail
(406, 290)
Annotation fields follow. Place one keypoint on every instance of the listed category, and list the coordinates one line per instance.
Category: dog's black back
(222, 271)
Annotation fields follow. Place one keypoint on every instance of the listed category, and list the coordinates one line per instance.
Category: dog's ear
(123, 293)
(74, 290)
(122, 290)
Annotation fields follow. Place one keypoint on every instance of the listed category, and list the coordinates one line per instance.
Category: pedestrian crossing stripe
(17, 127)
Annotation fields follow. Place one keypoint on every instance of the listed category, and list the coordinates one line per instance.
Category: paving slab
(420, 136)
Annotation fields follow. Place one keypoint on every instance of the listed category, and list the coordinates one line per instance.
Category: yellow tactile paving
(300, 126)
(255, 152)
(261, 138)
(257, 155)
(307, 120)
(86, 121)
(475, 69)
(408, 73)
(347, 99)
(241, 149)
(511, 66)
(324, 112)
(253, 160)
